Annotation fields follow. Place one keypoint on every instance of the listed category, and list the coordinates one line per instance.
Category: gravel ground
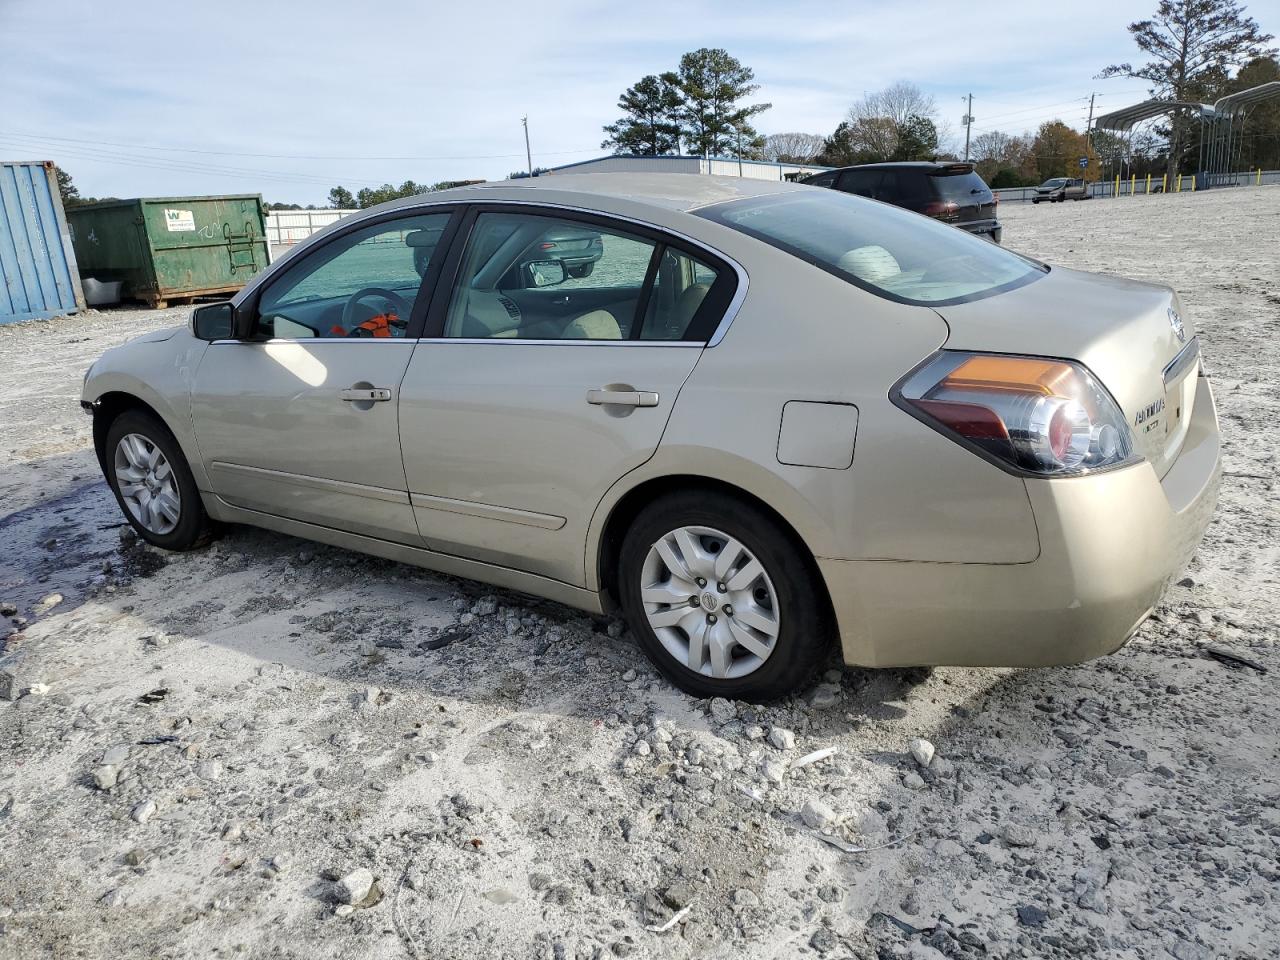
(269, 748)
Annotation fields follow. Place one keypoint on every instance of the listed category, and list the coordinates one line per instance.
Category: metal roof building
(716, 166)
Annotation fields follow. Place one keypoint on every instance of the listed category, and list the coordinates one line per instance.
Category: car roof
(668, 191)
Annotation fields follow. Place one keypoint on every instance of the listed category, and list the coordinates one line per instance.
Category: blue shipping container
(37, 265)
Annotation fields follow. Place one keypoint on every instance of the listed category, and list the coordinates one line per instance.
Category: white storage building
(719, 166)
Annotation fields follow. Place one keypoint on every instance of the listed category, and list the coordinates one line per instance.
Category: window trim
(247, 299)
(706, 333)
(246, 313)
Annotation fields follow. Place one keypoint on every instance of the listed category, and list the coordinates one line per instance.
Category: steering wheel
(401, 305)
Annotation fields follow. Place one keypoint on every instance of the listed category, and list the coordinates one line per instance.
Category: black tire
(805, 624)
(581, 270)
(193, 528)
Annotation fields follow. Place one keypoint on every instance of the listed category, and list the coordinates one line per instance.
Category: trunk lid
(1122, 330)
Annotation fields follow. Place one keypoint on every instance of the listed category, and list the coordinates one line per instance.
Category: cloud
(433, 80)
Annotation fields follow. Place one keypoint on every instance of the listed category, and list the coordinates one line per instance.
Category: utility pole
(1088, 126)
(968, 125)
(1088, 140)
(528, 156)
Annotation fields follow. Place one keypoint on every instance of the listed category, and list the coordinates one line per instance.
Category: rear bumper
(1109, 546)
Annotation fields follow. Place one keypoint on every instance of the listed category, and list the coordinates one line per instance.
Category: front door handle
(622, 398)
(367, 394)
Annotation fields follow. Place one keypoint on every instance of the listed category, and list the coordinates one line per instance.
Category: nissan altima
(773, 421)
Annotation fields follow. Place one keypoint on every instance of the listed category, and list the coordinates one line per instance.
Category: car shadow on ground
(461, 689)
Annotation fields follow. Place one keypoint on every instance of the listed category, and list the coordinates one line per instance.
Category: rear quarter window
(891, 252)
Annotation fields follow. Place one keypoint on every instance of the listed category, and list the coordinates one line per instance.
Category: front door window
(362, 285)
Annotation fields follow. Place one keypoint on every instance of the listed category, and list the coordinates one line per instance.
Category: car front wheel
(153, 484)
(723, 600)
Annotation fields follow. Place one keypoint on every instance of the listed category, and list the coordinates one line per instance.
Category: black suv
(950, 192)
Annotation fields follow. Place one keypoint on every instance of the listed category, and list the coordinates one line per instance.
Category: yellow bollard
(1193, 183)
(1148, 183)
(1178, 188)
(1133, 179)
(1258, 182)
(1164, 183)
(1115, 190)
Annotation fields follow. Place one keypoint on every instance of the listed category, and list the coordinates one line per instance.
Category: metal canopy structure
(1221, 126)
(1125, 119)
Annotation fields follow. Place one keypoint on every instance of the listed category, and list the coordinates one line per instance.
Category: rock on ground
(367, 719)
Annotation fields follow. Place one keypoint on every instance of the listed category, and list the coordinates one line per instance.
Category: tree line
(696, 106)
(1199, 50)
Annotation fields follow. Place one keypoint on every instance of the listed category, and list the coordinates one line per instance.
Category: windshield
(1059, 182)
(889, 251)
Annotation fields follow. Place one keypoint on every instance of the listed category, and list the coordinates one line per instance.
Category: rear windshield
(959, 187)
(892, 252)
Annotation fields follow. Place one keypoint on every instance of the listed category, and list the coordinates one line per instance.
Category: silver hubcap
(147, 484)
(710, 602)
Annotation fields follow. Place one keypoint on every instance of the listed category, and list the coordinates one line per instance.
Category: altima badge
(1175, 321)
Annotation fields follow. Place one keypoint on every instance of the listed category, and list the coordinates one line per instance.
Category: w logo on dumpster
(179, 221)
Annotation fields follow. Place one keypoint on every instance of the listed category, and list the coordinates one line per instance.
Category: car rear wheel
(722, 598)
(153, 484)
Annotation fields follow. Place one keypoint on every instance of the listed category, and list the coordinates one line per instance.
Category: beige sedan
(771, 420)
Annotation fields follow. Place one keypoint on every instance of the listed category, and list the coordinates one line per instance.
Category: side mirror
(213, 321)
(545, 273)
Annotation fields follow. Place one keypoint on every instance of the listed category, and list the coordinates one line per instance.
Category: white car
(773, 420)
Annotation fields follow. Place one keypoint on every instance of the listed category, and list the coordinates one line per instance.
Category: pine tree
(1193, 44)
(650, 122)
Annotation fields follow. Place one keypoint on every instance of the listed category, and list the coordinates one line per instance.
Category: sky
(141, 98)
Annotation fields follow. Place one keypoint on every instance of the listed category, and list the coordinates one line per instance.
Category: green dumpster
(171, 248)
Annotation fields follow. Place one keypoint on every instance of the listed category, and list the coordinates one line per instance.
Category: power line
(1047, 108)
(290, 156)
(184, 166)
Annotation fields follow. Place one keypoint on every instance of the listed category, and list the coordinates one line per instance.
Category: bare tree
(792, 147)
(895, 102)
(873, 128)
(1193, 44)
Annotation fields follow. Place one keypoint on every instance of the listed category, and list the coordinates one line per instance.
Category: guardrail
(1140, 186)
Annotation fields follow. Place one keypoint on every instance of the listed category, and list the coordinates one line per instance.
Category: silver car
(773, 420)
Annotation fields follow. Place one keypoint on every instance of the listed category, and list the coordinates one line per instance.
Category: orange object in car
(379, 326)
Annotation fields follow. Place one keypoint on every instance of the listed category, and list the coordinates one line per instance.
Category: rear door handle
(367, 394)
(622, 398)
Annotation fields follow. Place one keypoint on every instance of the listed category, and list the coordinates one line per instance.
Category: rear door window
(821, 180)
(680, 288)
(865, 183)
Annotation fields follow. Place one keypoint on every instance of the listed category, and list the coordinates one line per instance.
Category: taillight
(1040, 416)
(939, 208)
